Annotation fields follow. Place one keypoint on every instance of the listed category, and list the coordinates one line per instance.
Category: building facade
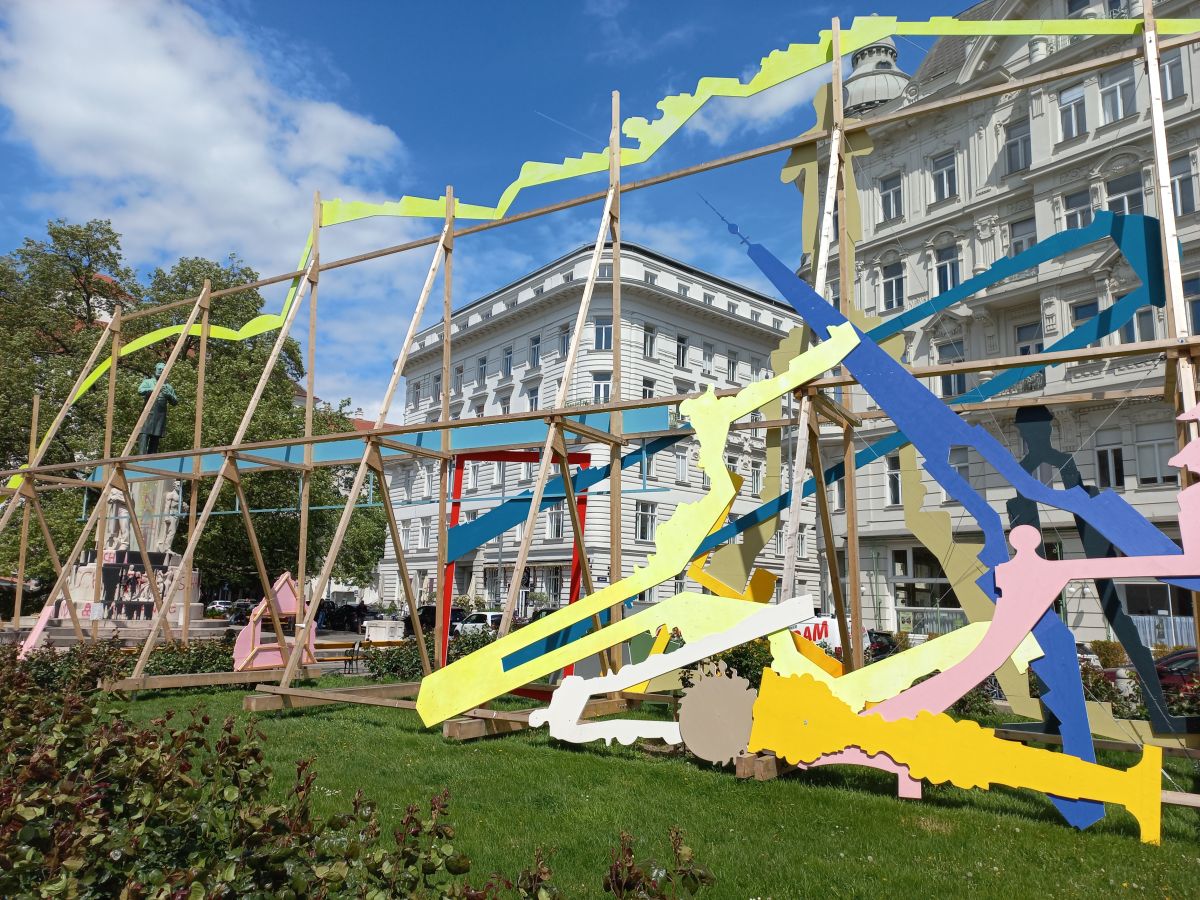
(943, 197)
(682, 330)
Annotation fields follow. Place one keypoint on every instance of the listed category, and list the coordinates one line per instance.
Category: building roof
(949, 54)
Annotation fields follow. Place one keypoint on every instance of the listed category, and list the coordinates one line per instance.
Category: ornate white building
(682, 330)
(943, 197)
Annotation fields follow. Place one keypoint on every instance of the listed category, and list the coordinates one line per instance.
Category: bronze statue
(156, 423)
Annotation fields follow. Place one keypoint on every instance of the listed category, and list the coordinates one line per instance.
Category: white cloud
(616, 42)
(175, 128)
(725, 118)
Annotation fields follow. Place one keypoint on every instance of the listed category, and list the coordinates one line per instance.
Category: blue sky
(203, 129)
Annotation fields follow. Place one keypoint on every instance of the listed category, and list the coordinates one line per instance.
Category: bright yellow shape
(481, 676)
(813, 653)
(761, 585)
(801, 720)
(888, 677)
(778, 67)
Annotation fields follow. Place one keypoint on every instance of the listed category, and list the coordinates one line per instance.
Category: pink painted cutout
(906, 786)
(248, 652)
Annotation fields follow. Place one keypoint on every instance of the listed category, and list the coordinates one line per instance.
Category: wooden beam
(303, 467)
(795, 503)
(577, 535)
(423, 452)
(52, 552)
(587, 431)
(260, 565)
(274, 698)
(198, 679)
(139, 538)
(547, 455)
(309, 407)
(198, 428)
(23, 549)
(831, 560)
(853, 578)
(616, 512)
(441, 645)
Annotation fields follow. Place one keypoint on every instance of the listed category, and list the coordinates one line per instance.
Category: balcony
(1035, 382)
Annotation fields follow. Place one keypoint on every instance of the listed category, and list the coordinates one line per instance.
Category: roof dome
(876, 78)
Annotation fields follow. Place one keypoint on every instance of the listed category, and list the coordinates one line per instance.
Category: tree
(54, 297)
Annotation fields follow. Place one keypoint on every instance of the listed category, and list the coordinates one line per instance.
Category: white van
(479, 622)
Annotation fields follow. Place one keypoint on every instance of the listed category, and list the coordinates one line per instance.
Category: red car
(1178, 670)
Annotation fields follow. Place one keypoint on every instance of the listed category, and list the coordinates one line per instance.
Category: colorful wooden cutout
(249, 652)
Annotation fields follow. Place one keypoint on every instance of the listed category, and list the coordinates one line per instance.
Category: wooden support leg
(831, 560)
(260, 565)
(577, 532)
(138, 536)
(853, 579)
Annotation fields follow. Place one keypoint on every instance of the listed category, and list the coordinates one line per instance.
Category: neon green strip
(776, 68)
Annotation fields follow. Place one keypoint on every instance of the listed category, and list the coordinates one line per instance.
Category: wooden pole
(52, 552)
(35, 458)
(831, 560)
(140, 538)
(289, 671)
(410, 598)
(24, 547)
(853, 579)
(197, 430)
(106, 488)
(109, 413)
(185, 567)
(309, 401)
(260, 565)
(796, 501)
(577, 535)
(544, 462)
(442, 615)
(616, 518)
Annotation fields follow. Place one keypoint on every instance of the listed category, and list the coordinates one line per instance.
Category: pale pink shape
(906, 786)
(248, 653)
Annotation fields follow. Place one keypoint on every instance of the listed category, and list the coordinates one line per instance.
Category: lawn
(838, 832)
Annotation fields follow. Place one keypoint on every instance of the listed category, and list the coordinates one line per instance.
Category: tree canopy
(56, 295)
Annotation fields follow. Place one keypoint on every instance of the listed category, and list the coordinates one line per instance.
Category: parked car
(427, 616)
(220, 606)
(479, 622)
(1178, 670)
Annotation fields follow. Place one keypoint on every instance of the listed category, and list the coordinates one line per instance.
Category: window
(1021, 235)
(705, 481)
(650, 277)
(1117, 96)
(1183, 186)
(960, 463)
(1170, 71)
(707, 360)
(506, 362)
(1028, 338)
(554, 522)
(538, 289)
(478, 410)
(893, 481)
(755, 417)
(1018, 152)
(1079, 208)
(424, 545)
(709, 299)
(1155, 445)
(414, 391)
(1074, 6)
(731, 367)
(1191, 293)
(945, 177)
(414, 536)
(601, 386)
(456, 385)
(1140, 328)
(1084, 312)
(1125, 194)
(437, 386)
(564, 339)
(890, 198)
(604, 271)
(947, 268)
(1110, 459)
(732, 306)
(681, 351)
(756, 477)
(777, 324)
(953, 383)
(649, 341)
(1072, 113)
(645, 520)
(527, 471)
(681, 466)
(839, 496)
(505, 405)
(568, 276)
(893, 286)
(647, 388)
(533, 395)
(755, 315)
(602, 336)
(535, 351)
(473, 475)
(683, 290)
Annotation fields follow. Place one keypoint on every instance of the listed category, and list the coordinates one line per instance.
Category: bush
(82, 667)
(748, 659)
(648, 879)
(1110, 653)
(403, 662)
(92, 805)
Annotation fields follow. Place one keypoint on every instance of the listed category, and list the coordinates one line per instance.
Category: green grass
(838, 832)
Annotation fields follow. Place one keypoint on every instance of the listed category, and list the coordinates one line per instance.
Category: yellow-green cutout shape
(481, 676)
(778, 67)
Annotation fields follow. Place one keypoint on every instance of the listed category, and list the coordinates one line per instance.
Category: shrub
(83, 666)
(648, 879)
(1110, 653)
(92, 805)
(403, 662)
(748, 659)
